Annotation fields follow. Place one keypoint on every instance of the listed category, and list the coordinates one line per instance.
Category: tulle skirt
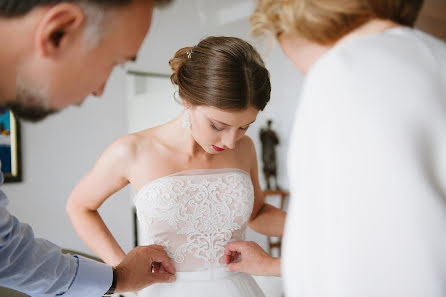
(209, 283)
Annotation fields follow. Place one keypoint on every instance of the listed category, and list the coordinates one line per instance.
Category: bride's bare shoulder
(131, 146)
(245, 152)
(246, 145)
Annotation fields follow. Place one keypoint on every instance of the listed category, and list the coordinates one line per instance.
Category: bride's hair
(224, 72)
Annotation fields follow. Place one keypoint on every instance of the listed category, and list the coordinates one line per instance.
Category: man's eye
(244, 128)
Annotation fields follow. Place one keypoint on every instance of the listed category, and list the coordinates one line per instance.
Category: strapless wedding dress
(194, 214)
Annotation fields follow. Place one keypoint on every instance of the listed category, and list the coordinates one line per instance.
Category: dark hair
(224, 72)
(15, 8)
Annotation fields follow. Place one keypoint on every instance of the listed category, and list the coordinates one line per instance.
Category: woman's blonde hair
(326, 21)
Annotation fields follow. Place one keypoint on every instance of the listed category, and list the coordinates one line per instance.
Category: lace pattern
(194, 214)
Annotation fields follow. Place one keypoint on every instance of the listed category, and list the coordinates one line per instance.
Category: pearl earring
(186, 120)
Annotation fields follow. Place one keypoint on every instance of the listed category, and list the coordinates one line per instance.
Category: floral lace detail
(195, 216)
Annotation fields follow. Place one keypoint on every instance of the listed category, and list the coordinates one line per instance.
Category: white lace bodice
(195, 213)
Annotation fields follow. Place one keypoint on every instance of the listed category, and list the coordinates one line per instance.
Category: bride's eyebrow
(249, 124)
(230, 125)
(220, 122)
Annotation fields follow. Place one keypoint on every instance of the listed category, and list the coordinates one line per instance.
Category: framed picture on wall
(10, 147)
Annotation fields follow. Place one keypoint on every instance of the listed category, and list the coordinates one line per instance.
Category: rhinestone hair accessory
(189, 54)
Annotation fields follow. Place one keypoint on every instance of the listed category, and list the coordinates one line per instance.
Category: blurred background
(59, 151)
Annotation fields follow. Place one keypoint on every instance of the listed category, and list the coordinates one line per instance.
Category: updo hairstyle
(223, 72)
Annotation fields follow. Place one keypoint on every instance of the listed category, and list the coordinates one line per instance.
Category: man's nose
(99, 91)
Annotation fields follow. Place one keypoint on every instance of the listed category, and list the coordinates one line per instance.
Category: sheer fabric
(194, 214)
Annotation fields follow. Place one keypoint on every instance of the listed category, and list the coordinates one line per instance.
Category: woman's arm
(108, 176)
(253, 259)
(265, 218)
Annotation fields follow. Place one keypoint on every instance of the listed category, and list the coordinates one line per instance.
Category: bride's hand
(254, 260)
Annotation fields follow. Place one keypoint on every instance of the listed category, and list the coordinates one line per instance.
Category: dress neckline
(193, 172)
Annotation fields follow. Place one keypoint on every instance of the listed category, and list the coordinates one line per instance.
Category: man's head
(59, 52)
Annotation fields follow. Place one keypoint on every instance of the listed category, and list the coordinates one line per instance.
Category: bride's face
(216, 130)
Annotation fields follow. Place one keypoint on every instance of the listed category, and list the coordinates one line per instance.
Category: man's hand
(143, 266)
(254, 260)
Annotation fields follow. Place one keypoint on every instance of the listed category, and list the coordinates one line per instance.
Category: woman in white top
(367, 160)
(196, 177)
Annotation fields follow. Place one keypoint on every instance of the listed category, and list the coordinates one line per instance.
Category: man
(46, 46)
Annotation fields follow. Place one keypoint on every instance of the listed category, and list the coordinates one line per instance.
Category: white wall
(150, 101)
(60, 150)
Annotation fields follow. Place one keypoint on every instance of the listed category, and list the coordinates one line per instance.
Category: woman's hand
(254, 260)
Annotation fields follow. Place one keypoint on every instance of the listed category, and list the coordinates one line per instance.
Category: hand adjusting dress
(194, 214)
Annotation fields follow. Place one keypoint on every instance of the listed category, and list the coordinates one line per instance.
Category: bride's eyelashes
(218, 129)
(215, 127)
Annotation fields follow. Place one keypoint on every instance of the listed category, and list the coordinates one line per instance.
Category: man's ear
(59, 27)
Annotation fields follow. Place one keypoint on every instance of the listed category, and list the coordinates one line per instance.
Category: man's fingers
(156, 247)
(162, 258)
(167, 267)
(163, 278)
(156, 267)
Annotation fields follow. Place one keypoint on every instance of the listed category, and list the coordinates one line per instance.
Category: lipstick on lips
(218, 149)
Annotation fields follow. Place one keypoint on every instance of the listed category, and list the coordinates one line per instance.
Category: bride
(196, 177)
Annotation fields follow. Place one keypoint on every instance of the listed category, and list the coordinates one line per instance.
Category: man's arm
(38, 268)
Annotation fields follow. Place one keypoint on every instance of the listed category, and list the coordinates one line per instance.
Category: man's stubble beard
(29, 113)
(30, 104)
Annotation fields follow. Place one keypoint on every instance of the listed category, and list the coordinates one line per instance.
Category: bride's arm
(107, 177)
(265, 218)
